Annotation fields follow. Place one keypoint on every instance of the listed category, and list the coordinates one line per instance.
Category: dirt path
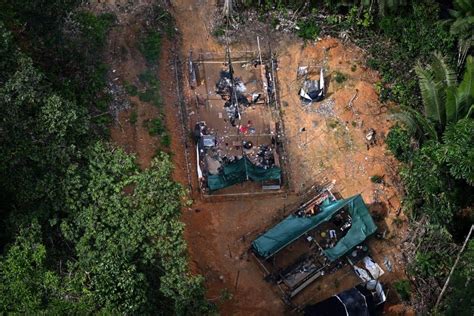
(333, 147)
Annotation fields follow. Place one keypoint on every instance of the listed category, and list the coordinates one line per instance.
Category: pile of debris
(266, 158)
(312, 90)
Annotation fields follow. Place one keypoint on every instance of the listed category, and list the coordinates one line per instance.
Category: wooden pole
(237, 281)
(452, 269)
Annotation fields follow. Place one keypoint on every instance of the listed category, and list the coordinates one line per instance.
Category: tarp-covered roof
(239, 171)
(362, 227)
(293, 227)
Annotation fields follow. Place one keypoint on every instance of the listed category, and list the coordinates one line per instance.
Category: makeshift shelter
(361, 300)
(239, 171)
(293, 227)
(313, 90)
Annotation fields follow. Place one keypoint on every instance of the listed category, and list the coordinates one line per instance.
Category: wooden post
(230, 253)
(237, 281)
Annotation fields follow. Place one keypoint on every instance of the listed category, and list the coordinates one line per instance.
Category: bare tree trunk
(227, 10)
(452, 269)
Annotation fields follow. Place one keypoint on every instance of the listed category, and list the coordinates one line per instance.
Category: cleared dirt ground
(332, 147)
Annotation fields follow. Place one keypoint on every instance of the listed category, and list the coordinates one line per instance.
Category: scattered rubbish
(120, 100)
(388, 264)
(316, 223)
(362, 274)
(325, 108)
(373, 268)
(302, 71)
(370, 137)
(247, 144)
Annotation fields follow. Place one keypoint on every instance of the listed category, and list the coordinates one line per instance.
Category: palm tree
(463, 16)
(444, 101)
(463, 27)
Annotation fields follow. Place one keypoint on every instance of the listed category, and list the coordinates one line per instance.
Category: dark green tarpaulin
(293, 227)
(362, 227)
(239, 171)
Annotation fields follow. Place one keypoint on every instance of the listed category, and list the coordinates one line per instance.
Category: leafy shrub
(398, 142)
(146, 96)
(155, 127)
(131, 89)
(150, 47)
(460, 289)
(133, 117)
(403, 289)
(430, 189)
(309, 30)
(165, 139)
(148, 77)
(426, 264)
(458, 152)
(219, 31)
(165, 21)
(365, 21)
(339, 77)
(96, 26)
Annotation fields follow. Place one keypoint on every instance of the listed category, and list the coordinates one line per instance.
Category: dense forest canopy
(83, 230)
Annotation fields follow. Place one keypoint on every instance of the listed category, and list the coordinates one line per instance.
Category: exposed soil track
(332, 147)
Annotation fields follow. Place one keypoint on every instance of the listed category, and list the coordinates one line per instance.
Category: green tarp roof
(239, 171)
(293, 227)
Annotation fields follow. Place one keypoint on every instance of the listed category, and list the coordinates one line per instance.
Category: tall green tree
(459, 297)
(82, 229)
(462, 27)
(125, 224)
(463, 19)
(444, 101)
(458, 150)
(26, 284)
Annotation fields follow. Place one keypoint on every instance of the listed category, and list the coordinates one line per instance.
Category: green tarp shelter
(293, 227)
(239, 171)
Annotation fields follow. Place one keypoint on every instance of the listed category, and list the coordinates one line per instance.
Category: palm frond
(415, 123)
(462, 26)
(465, 90)
(442, 71)
(464, 6)
(463, 48)
(432, 95)
(408, 121)
(470, 113)
(452, 105)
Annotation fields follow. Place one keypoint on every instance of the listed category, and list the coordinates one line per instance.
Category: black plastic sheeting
(354, 302)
